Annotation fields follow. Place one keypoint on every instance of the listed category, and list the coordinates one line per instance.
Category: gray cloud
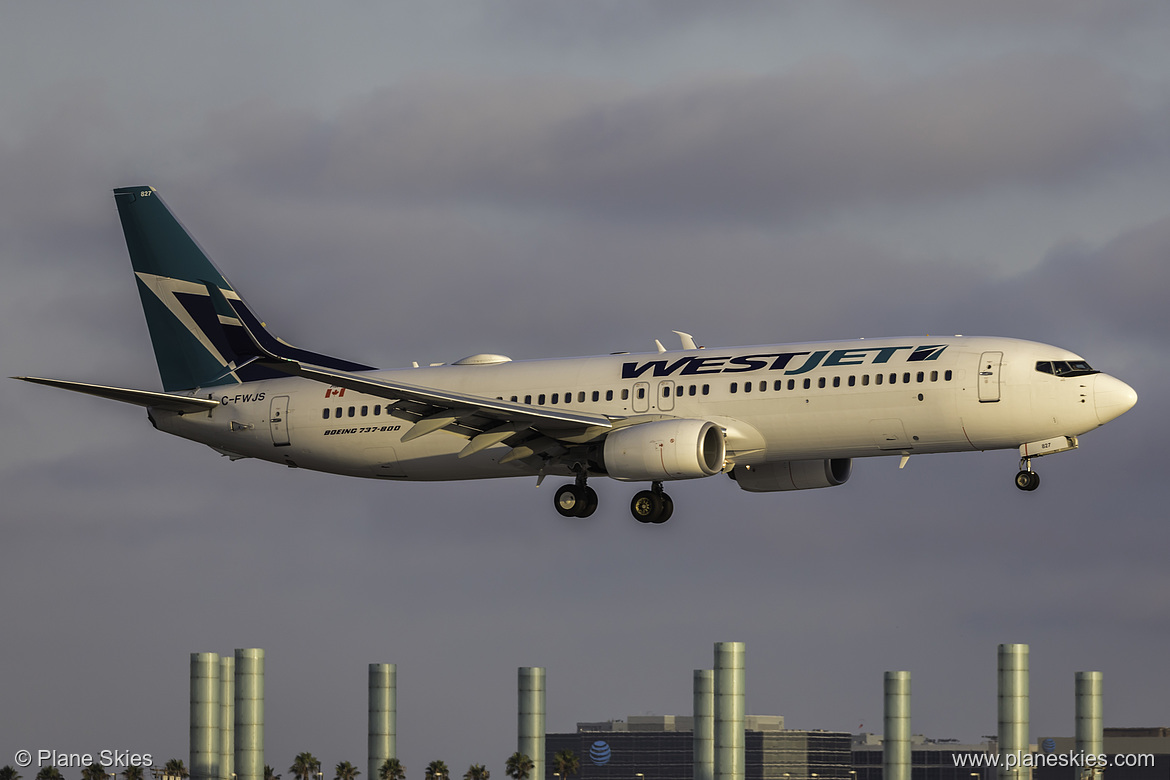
(500, 189)
(765, 149)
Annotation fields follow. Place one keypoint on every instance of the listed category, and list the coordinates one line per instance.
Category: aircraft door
(989, 377)
(278, 420)
(641, 399)
(666, 395)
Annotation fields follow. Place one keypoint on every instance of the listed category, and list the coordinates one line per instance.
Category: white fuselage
(785, 402)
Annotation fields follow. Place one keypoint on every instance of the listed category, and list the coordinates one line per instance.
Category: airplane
(775, 417)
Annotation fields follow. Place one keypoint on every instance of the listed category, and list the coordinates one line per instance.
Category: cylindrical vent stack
(530, 723)
(249, 758)
(383, 712)
(1013, 713)
(896, 740)
(227, 717)
(1090, 724)
(205, 716)
(704, 734)
(730, 683)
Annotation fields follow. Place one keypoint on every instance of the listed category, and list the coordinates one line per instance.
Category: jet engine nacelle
(666, 449)
(793, 475)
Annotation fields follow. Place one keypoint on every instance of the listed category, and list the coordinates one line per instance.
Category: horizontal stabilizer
(168, 401)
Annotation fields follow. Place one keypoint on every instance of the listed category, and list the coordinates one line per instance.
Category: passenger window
(893, 379)
(513, 399)
(807, 383)
(778, 384)
(680, 390)
(706, 389)
(921, 376)
(821, 382)
(352, 411)
(747, 387)
(852, 380)
(324, 414)
(693, 389)
(906, 378)
(581, 396)
(540, 400)
(947, 376)
(555, 397)
(836, 381)
(377, 409)
(933, 376)
(641, 393)
(865, 379)
(666, 392)
(528, 399)
(791, 384)
(763, 385)
(365, 411)
(597, 396)
(625, 393)
(734, 386)
(337, 413)
(609, 395)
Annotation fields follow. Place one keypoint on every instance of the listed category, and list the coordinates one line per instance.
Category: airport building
(661, 747)
(1135, 745)
(930, 759)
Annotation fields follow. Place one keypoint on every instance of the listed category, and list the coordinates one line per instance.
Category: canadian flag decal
(335, 391)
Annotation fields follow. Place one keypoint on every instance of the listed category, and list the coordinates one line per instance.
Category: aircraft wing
(529, 430)
(169, 401)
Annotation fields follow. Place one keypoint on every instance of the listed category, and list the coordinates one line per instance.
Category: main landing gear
(652, 506)
(576, 500)
(1026, 479)
(580, 500)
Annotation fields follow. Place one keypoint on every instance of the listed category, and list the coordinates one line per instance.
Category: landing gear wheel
(646, 507)
(589, 505)
(1027, 480)
(667, 508)
(652, 506)
(575, 501)
(569, 500)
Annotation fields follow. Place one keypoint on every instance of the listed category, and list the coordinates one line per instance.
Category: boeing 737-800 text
(774, 417)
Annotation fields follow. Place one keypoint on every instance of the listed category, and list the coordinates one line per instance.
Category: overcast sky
(426, 181)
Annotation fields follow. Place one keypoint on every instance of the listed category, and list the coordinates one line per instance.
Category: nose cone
(1112, 398)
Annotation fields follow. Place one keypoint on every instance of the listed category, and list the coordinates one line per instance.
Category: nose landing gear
(1026, 479)
(652, 506)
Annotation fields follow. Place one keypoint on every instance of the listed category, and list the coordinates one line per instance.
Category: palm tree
(437, 770)
(305, 766)
(94, 771)
(477, 772)
(567, 763)
(345, 771)
(392, 769)
(49, 773)
(132, 772)
(174, 768)
(8, 773)
(270, 773)
(519, 766)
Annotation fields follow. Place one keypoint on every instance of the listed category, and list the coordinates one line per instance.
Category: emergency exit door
(277, 420)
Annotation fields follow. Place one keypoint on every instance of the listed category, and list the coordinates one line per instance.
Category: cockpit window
(1065, 368)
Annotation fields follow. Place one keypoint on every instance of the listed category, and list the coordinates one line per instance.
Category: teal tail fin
(197, 337)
